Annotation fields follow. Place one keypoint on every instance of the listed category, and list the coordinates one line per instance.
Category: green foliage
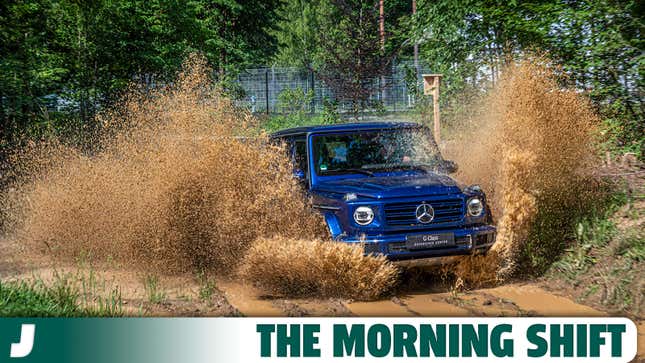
(61, 299)
(280, 122)
(411, 80)
(294, 105)
(378, 107)
(597, 43)
(574, 227)
(305, 27)
(341, 42)
(605, 260)
(631, 245)
(295, 100)
(87, 52)
(330, 114)
(206, 286)
(153, 290)
(296, 33)
(24, 299)
(616, 140)
(593, 232)
(351, 54)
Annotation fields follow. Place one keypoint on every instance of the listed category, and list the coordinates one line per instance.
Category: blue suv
(386, 185)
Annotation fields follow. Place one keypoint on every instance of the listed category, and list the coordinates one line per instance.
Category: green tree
(599, 45)
(597, 42)
(340, 40)
(30, 65)
(297, 33)
(89, 51)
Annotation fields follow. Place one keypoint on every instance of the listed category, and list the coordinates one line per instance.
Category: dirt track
(216, 296)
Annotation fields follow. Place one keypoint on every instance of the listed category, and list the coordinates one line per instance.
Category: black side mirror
(449, 166)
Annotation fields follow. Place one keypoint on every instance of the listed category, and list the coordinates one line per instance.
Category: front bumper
(467, 241)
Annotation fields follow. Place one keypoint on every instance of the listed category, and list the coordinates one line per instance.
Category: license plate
(425, 241)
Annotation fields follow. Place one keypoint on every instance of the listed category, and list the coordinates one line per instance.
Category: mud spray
(531, 146)
(180, 180)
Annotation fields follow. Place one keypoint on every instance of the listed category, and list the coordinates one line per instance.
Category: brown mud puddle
(538, 301)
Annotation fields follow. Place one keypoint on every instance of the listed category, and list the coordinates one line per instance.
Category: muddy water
(433, 305)
(536, 300)
(530, 145)
(247, 299)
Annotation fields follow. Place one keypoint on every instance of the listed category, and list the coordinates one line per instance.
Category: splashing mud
(531, 147)
(172, 184)
(317, 268)
(179, 182)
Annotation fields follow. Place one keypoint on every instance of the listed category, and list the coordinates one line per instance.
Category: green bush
(618, 139)
(295, 101)
(330, 114)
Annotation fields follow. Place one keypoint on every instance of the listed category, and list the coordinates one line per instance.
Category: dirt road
(191, 295)
(517, 299)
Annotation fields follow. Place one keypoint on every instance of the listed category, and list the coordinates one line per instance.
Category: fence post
(313, 93)
(395, 91)
(266, 89)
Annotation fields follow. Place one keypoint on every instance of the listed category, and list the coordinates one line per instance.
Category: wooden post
(431, 84)
(266, 89)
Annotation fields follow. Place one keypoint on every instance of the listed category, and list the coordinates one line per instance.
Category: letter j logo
(26, 343)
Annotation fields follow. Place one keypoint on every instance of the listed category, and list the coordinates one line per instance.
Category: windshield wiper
(353, 170)
(360, 171)
(422, 167)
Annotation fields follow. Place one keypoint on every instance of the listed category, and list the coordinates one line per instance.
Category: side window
(300, 154)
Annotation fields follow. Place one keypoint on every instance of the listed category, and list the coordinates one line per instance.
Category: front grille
(446, 210)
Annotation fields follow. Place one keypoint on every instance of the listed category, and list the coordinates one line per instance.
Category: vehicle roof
(356, 126)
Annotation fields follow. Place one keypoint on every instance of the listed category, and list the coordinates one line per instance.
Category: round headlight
(475, 207)
(363, 215)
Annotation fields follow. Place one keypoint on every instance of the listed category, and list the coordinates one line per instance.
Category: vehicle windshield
(373, 151)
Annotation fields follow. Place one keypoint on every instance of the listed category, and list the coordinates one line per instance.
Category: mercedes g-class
(386, 185)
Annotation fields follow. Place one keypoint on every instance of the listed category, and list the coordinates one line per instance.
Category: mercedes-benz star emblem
(425, 213)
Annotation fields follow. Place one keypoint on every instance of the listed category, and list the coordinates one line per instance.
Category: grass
(62, 298)
(153, 291)
(565, 232)
(591, 233)
(631, 246)
(206, 286)
(605, 264)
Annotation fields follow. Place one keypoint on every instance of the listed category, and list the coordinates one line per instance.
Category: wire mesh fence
(263, 87)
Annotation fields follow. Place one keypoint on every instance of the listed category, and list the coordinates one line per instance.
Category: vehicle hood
(391, 186)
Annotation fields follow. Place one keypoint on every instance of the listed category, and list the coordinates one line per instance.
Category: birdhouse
(431, 83)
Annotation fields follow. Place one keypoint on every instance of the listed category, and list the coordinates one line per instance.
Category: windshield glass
(374, 151)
